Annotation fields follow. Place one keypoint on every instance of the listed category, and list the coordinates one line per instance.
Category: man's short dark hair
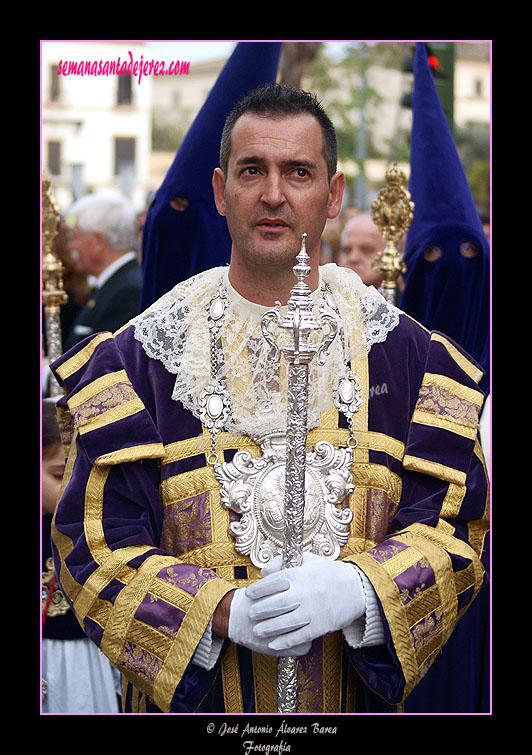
(281, 101)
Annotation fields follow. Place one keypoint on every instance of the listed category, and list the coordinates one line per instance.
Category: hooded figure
(184, 233)
(447, 289)
(447, 253)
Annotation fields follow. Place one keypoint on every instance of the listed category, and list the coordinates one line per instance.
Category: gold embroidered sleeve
(428, 570)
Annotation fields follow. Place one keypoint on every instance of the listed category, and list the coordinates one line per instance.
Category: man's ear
(218, 187)
(336, 190)
(99, 243)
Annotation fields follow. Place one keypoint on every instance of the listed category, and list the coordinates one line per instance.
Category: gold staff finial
(50, 216)
(53, 295)
(392, 213)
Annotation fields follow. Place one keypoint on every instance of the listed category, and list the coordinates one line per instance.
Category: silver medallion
(349, 396)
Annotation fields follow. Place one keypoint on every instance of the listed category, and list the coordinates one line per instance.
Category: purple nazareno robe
(144, 554)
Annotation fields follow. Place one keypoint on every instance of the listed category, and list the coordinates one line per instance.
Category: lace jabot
(175, 331)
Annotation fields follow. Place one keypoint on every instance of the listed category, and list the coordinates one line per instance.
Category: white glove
(294, 606)
(241, 628)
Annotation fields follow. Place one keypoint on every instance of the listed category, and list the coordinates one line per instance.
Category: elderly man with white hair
(104, 238)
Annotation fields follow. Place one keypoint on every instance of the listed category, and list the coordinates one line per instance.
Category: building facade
(96, 119)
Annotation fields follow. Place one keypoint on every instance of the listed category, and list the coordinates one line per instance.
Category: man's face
(361, 242)
(276, 188)
(86, 246)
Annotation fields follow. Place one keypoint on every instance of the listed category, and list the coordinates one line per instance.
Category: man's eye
(301, 172)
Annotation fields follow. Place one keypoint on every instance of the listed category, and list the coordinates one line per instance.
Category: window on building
(54, 158)
(477, 87)
(125, 90)
(124, 154)
(54, 83)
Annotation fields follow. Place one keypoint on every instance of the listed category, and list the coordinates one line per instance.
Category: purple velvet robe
(144, 555)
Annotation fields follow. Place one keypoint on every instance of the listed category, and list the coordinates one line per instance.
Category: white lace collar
(175, 331)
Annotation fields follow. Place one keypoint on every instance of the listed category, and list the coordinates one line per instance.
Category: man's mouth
(271, 224)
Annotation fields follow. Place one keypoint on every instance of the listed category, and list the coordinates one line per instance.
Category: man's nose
(272, 190)
(353, 255)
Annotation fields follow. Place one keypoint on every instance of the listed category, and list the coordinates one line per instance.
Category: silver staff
(299, 345)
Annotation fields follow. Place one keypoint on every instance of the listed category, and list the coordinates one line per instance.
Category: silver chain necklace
(254, 486)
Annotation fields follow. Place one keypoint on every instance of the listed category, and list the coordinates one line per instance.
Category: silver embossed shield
(255, 488)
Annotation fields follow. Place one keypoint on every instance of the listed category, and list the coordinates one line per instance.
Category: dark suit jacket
(110, 306)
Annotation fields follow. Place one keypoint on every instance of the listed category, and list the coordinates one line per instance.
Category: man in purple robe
(166, 537)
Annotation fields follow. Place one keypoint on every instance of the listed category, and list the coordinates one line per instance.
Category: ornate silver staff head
(299, 322)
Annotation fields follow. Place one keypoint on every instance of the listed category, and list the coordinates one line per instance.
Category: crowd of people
(439, 521)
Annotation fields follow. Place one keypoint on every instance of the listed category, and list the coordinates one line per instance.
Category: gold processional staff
(53, 295)
(392, 213)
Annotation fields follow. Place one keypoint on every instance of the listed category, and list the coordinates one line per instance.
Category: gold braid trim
(445, 527)
(468, 367)
(103, 383)
(184, 449)
(479, 529)
(127, 602)
(218, 554)
(423, 604)
(452, 501)
(135, 700)
(380, 442)
(114, 567)
(442, 568)
(428, 419)
(453, 387)
(80, 359)
(127, 409)
(188, 485)
(183, 647)
(396, 617)
(65, 545)
(369, 475)
(350, 698)
(265, 678)
(332, 647)
(123, 689)
(402, 560)
(232, 686)
(99, 612)
(156, 642)
(112, 564)
(435, 469)
(148, 451)
(453, 545)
